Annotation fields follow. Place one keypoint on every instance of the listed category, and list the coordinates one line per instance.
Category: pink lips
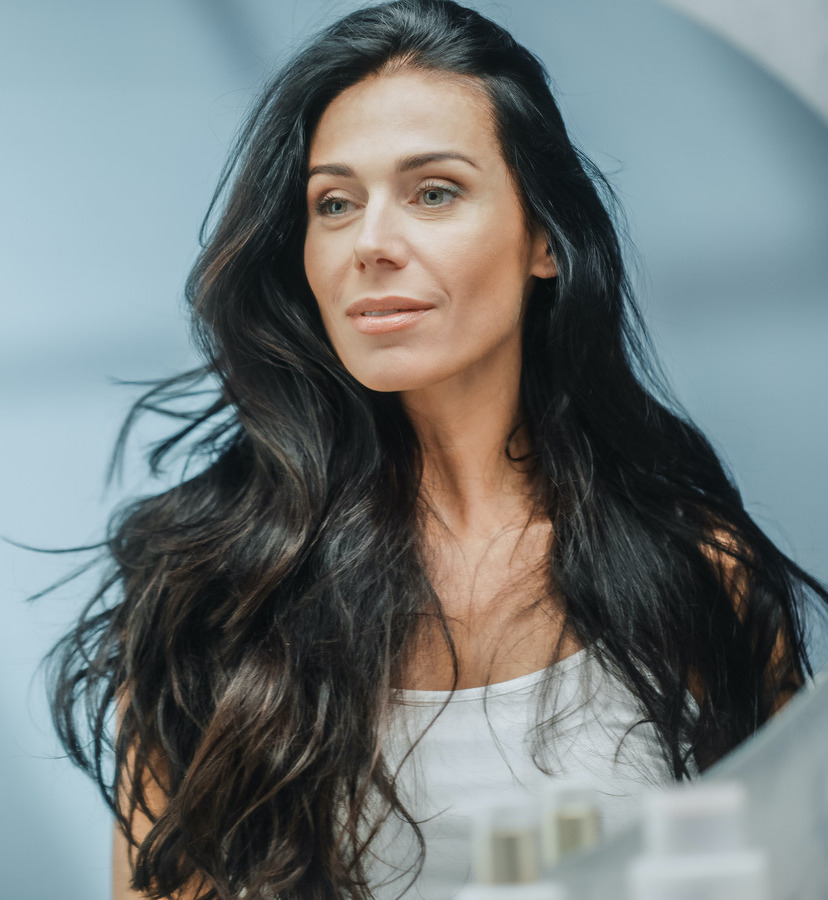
(385, 314)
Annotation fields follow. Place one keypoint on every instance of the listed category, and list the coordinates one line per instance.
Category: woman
(437, 461)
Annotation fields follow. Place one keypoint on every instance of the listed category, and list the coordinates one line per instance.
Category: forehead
(406, 111)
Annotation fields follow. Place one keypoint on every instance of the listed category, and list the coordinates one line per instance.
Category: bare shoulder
(122, 868)
(140, 826)
(733, 560)
(141, 816)
(123, 855)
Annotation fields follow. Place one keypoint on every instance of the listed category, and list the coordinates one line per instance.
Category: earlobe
(544, 263)
(550, 266)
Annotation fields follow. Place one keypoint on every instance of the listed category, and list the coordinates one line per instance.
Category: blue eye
(332, 206)
(433, 197)
(438, 194)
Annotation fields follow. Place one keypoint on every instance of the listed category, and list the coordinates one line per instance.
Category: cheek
(324, 274)
(488, 271)
(314, 268)
(464, 255)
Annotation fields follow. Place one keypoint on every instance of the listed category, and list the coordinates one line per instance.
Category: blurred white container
(695, 848)
(570, 818)
(539, 890)
(506, 853)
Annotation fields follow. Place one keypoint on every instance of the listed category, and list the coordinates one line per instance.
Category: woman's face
(417, 250)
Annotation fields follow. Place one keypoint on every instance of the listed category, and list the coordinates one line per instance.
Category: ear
(543, 263)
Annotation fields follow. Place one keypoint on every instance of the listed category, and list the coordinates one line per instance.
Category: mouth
(386, 314)
(386, 306)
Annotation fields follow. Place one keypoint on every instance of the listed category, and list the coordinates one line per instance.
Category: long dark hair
(256, 616)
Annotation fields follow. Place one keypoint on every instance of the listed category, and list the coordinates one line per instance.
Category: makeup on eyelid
(453, 191)
(412, 209)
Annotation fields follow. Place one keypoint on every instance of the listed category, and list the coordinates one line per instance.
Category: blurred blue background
(116, 118)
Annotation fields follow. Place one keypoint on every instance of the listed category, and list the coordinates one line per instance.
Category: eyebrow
(404, 164)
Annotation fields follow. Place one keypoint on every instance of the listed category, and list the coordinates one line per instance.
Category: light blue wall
(116, 118)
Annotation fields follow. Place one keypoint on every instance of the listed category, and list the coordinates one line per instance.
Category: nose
(381, 241)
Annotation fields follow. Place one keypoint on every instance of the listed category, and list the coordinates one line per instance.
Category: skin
(409, 195)
(451, 232)
(381, 231)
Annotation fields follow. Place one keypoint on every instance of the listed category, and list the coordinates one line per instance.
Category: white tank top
(480, 746)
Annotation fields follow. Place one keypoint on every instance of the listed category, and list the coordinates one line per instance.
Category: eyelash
(323, 205)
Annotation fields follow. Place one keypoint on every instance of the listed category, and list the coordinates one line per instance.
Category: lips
(385, 314)
(383, 306)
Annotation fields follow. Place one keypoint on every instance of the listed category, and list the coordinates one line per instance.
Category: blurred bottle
(696, 848)
(506, 854)
(570, 818)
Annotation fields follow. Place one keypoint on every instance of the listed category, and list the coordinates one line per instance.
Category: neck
(463, 427)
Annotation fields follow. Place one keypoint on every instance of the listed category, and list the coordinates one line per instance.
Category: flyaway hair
(256, 616)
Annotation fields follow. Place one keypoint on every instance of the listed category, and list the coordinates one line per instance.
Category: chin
(387, 384)
(391, 379)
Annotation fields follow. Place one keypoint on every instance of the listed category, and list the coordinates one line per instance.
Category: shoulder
(762, 614)
(143, 798)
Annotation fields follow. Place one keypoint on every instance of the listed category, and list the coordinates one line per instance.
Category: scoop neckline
(499, 688)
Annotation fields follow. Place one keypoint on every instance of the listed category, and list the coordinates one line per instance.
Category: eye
(438, 194)
(332, 206)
